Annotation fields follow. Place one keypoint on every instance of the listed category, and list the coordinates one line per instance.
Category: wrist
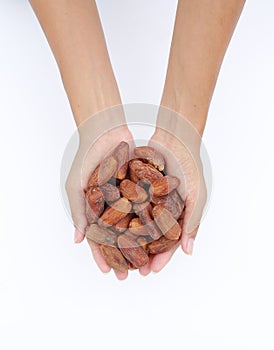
(92, 97)
(187, 106)
(187, 91)
(175, 129)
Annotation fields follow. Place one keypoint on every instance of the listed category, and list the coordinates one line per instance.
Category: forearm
(75, 34)
(202, 31)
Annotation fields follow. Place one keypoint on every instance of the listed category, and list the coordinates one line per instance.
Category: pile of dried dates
(133, 207)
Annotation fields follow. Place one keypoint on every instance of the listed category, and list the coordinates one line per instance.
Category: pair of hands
(181, 153)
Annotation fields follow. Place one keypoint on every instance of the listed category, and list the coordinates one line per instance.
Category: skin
(202, 31)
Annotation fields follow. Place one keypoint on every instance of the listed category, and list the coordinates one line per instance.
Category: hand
(94, 145)
(184, 162)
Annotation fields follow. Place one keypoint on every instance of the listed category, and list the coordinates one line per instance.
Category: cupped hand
(98, 137)
(182, 156)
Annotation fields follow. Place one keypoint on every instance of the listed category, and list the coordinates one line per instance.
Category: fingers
(77, 207)
(187, 241)
(101, 263)
(121, 275)
(105, 268)
(99, 259)
(146, 269)
(190, 224)
(160, 260)
(194, 207)
(78, 236)
(192, 215)
(195, 200)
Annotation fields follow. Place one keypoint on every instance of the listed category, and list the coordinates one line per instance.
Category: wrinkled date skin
(133, 208)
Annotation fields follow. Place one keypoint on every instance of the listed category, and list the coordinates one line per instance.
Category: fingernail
(77, 236)
(189, 247)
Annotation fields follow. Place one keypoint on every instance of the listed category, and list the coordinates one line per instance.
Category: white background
(52, 295)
